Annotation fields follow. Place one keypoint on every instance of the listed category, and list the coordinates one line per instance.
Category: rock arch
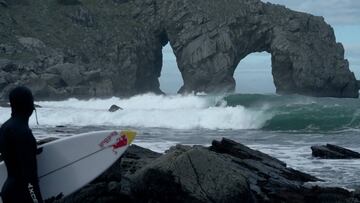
(114, 48)
(210, 38)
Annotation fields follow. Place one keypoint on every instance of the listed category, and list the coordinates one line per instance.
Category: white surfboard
(67, 164)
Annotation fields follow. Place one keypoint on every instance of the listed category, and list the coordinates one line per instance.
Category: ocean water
(282, 126)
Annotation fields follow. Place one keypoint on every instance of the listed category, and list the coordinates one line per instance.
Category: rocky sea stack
(86, 48)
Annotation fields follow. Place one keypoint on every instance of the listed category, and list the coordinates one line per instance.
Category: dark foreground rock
(330, 151)
(72, 48)
(226, 172)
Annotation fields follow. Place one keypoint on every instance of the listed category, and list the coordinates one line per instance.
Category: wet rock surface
(3, 3)
(114, 47)
(225, 172)
(114, 108)
(330, 151)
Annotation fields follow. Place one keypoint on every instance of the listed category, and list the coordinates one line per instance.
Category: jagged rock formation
(225, 172)
(85, 48)
(330, 151)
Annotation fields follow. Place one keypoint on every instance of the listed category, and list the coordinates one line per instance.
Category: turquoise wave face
(299, 113)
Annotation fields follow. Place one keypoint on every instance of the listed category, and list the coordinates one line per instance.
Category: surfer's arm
(26, 152)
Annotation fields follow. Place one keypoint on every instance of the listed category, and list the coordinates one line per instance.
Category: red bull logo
(114, 140)
(120, 142)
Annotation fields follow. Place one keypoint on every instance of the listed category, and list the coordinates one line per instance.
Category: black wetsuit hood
(21, 102)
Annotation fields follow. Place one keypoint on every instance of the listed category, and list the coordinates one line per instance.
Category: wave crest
(176, 112)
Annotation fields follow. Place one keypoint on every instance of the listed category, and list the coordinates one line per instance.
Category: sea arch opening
(170, 79)
(253, 75)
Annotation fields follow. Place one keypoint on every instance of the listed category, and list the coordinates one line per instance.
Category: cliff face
(87, 48)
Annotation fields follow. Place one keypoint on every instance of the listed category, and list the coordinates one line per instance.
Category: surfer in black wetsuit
(18, 149)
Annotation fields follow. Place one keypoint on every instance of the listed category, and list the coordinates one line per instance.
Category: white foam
(176, 112)
(334, 173)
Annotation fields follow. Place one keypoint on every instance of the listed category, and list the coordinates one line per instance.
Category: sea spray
(245, 111)
(175, 112)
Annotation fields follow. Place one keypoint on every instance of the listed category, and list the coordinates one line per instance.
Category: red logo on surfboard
(114, 140)
(121, 141)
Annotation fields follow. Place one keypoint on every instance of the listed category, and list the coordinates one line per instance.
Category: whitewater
(282, 126)
(176, 112)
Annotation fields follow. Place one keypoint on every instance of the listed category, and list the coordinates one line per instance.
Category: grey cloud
(336, 12)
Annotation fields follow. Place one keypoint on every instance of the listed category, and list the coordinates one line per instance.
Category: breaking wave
(243, 111)
(177, 112)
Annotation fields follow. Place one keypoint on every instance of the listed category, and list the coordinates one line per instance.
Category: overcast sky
(253, 75)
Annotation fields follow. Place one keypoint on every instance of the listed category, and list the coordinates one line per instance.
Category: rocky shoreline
(224, 172)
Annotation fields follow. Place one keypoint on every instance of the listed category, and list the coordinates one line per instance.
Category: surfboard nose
(130, 135)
